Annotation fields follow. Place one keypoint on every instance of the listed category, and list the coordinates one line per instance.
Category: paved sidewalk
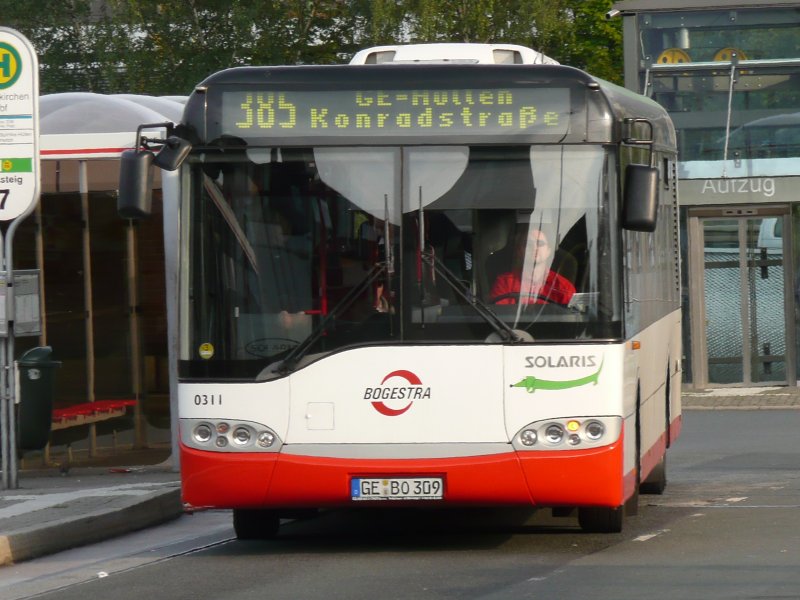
(752, 398)
(52, 511)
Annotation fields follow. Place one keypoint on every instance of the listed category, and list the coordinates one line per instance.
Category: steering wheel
(516, 296)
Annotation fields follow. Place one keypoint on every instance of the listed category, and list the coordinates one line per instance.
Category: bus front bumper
(540, 478)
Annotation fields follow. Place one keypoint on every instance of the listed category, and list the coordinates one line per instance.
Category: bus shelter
(103, 287)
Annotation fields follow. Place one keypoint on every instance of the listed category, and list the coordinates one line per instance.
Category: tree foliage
(159, 47)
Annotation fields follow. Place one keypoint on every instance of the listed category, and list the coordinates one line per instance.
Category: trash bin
(36, 388)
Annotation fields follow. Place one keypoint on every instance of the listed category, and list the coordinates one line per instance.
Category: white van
(770, 233)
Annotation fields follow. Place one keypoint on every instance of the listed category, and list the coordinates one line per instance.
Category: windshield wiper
(230, 218)
(502, 328)
(289, 363)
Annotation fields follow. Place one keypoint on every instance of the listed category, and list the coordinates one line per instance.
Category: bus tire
(598, 519)
(656, 481)
(255, 524)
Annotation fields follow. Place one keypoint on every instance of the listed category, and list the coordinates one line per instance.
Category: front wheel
(600, 519)
(255, 524)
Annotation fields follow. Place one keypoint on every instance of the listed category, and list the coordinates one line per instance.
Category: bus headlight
(528, 437)
(228, 436)
(266, 439)
(595, 430)
(242, 436)
(554, 434)
(568, 433)
(202, 433)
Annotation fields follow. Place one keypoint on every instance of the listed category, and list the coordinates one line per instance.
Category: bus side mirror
(640, 205)
(135, 195)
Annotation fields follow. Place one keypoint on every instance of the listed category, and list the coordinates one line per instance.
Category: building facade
(728, 72)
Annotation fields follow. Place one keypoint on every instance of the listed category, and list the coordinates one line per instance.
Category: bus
(341, 338)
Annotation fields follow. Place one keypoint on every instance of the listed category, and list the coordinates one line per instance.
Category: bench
(89, 412)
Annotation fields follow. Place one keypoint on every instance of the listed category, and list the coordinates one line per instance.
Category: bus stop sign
(19, 125)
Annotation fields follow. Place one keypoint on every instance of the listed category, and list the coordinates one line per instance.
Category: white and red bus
(341, 339)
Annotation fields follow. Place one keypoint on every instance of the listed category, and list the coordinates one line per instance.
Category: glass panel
(281, 258)
(744, 300)
(714, 35)
(722, 297)
(112, 347)
(764, 129)
(153, 318)
(760, 115)
(299, 252)
(66, 313)
(514, 239)
(525, 227)
(765, 291)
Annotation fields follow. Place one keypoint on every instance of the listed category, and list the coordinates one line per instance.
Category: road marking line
(649, 536)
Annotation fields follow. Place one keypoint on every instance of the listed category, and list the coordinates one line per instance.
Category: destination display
(488, 111)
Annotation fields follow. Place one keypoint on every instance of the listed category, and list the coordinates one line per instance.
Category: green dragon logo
(531, 383)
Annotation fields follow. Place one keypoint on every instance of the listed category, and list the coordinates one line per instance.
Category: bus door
(742, 303)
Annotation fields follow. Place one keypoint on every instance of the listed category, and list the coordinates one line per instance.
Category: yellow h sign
(10, 65)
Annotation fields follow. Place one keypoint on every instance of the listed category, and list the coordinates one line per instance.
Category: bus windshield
(298, 252)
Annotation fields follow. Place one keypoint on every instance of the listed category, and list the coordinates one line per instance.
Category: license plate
(397, 488)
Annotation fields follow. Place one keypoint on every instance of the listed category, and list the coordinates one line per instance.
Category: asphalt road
(727, 527)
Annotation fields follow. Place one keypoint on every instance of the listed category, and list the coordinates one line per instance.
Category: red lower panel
(225, 480)
(479, 480)
(577, 478)
(675, 429)
(564, 478)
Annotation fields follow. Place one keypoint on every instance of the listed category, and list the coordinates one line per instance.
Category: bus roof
(454, 53)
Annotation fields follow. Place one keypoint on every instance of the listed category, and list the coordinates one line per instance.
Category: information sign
(19, 125)
(27, 303)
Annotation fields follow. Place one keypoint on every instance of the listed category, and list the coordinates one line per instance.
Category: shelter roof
(88, 125)
(636, 6)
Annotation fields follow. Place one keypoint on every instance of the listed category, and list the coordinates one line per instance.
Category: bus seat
(566, 265)
(491, 236)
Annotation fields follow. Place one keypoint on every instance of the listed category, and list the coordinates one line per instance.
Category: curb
(780, 399)
(746, 406)
(91, 527)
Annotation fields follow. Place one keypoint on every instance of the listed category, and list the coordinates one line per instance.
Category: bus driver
(531, 278)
